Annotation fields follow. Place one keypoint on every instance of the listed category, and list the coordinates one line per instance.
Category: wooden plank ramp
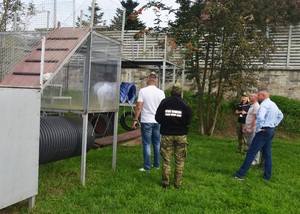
(121, 138)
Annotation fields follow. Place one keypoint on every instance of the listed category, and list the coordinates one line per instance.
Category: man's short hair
(176, 89)
(152, 75)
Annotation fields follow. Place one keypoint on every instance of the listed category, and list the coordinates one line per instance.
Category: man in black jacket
(174, 115)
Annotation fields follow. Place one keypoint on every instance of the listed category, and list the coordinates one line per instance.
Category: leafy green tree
(14, 9)
(225, 41)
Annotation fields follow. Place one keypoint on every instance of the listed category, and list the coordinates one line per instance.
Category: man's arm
(138, 109)
(251, 129)
(279, 118)
(260, 117)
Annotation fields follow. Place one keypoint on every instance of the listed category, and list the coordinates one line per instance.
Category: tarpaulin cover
(127, 92)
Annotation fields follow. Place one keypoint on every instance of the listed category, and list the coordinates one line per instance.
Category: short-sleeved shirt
(150, 96)
(240, 107)
(250, 115)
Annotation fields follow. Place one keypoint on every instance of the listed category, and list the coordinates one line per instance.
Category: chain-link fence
(23, 35)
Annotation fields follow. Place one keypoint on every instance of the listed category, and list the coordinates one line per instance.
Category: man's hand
(249, 131)
(135, 124)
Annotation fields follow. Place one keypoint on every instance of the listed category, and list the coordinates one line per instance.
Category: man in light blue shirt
(268, 117)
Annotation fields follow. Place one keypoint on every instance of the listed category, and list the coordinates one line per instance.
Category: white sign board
(19, 144)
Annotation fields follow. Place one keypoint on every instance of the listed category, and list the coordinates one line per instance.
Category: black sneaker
(238, 177)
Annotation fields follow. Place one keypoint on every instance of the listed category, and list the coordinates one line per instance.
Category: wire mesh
(22, 37)
(70, 13)
(65, 90)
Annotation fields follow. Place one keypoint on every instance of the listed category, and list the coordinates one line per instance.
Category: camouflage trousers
(178, 144)
(243, 145)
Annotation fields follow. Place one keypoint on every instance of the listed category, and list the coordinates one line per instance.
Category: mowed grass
(208, 186)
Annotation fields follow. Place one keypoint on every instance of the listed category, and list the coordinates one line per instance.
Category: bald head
(253, 98)
(263, 94)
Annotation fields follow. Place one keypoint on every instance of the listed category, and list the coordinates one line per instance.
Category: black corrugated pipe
(61, 138)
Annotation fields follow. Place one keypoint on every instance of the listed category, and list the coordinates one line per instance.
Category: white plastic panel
(19, 144)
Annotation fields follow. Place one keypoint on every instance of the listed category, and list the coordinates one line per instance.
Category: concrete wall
(282, 82)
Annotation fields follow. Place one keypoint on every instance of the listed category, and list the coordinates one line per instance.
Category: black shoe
(238, 177)
(261, 166)
(177, 186)
(165, 186)
(267, 179)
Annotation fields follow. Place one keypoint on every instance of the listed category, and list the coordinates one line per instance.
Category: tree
(132, 22)
(14, 10)
(97, 21)
(225, 42)
(117, 21)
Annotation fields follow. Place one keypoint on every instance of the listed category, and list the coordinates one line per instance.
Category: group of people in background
(164, 125)
(258, 123)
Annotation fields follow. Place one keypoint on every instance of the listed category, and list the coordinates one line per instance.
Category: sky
(148, 16)
(109, 8)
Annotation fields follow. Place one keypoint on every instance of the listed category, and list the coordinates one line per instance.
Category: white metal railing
(286, 56)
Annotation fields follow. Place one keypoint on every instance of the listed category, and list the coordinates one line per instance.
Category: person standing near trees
(174, 115)
(241, 110)
(148, 100)
(250, 122)
(268, 117)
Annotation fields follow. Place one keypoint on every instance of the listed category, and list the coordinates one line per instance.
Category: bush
(291, 110)
(192, 99)
(226, 117)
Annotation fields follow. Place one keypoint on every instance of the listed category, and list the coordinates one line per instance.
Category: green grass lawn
(208, 186)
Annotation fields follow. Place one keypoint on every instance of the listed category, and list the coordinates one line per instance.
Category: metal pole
(174, 74)
(114, 158)
(144, 48)
(26, 18)
(80, 21)
(74, 13)
(86, 86)
(15, 21)
(123, 24)
(55, 13)
(83, 148)
(164, 65)
(92, 15)
(42, 62)
(48, 19)
(31, 202)
(289, 47)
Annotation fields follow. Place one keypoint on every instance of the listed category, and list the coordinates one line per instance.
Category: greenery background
(208, 186)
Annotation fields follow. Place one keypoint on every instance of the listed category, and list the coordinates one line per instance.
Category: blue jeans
(150, 134)
(261, 141)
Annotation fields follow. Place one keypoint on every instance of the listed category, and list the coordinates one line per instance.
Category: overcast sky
(148, 15)
(109, 8)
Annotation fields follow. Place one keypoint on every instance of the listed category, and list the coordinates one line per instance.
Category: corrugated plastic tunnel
(61, 138)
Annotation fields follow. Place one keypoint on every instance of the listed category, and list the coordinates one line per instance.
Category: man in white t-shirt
(249, 128)
(148, 101)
